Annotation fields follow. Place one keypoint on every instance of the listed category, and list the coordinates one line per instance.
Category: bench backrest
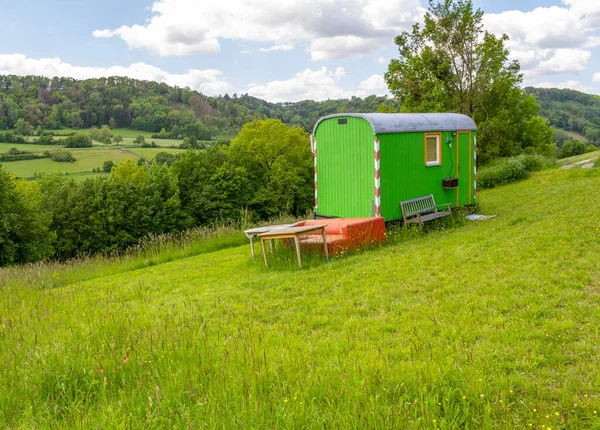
(418, 206)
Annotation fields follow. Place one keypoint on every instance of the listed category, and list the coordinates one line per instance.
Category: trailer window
(433, 150)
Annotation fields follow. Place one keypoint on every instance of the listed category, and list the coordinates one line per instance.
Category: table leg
(272, 246)
(252, 246)
(325, 244)
(262, 243)
(297, 241)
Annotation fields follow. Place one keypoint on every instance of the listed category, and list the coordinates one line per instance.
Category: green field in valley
(30, 147)
(168, 143)
(490, 325)
(87, 159)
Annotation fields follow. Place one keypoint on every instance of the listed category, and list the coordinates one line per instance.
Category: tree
(23, 127)
(105, 134)
(280, 165)
(117, 139)
(560, 136)
(571, 148)
(139, 139)
(108, 165)
(24, 224)
(164, 158)
(452, 65)
(94, 133)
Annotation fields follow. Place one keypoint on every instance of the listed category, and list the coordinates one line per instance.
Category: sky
(278, 50)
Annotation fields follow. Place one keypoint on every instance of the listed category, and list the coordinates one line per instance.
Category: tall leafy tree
(279, 162)
(451, 64)
(25, 234)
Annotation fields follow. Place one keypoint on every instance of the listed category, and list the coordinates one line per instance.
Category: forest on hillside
(570, 110)
(121, 102)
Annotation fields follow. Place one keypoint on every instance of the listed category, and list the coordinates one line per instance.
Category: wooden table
(292, 233)
(256, 231)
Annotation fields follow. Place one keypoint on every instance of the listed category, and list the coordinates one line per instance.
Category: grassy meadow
(87, 159)
(487, 325)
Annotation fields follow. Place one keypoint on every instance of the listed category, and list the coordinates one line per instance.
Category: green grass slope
(485, 325)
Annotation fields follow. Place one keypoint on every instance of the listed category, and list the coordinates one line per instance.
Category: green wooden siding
(405, 176)
(345, 168)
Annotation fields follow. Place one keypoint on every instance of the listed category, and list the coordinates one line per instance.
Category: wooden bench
(422, 209)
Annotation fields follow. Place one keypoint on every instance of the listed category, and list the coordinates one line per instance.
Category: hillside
(480, 325)
(570, 110)
(150, 106)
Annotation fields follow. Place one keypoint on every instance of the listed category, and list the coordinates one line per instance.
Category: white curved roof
(385, 123)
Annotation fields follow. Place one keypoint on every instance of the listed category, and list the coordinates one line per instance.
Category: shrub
(14, 154)
(62, 156)
(535, 162)
(5, 158)
(78, 140)
(45, 139)
(591, 148)
(571, 148)
(11, 138)
(502, 172)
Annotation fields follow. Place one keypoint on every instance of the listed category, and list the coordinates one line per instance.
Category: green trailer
(366, 164)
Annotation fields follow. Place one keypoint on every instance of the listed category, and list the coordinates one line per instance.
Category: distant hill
(570, 110)
(150, 106)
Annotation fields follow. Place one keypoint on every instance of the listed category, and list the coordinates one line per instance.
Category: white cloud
(284, 47)
(381, 60)
(320, 84)
(596, 77)
(208, 81)
(550, 40)
(333, 28)
(375, 84)
(327, 48)
(588, 8)
(570, 84)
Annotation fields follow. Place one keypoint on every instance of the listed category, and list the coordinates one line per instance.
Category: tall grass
(149, 251)
(493, 325)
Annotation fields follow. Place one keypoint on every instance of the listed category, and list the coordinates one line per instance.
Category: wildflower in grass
(126, 359)
(556, 413)
(285, 400)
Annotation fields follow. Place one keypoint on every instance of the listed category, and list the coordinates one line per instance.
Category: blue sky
(279, 50)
